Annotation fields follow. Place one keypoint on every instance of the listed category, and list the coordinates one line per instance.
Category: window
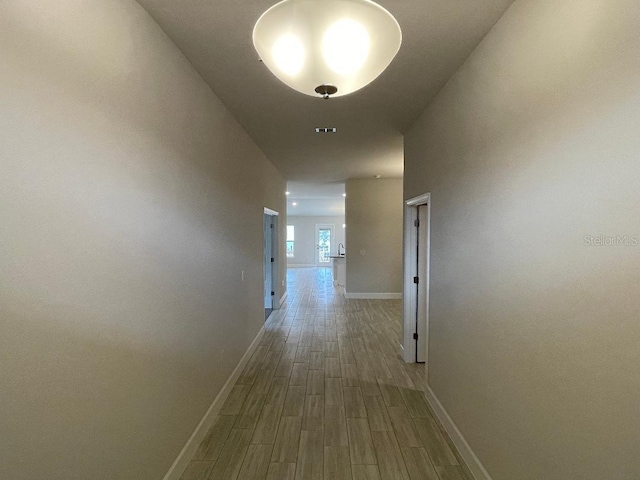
(290, 239)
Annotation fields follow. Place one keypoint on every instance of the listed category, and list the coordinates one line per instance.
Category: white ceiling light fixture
(327, 47)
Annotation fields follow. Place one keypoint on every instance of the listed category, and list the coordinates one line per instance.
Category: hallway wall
(130, 202)
(305, 241)
(374, 225)
(531, 154)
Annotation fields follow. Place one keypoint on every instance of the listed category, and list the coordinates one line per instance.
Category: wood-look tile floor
(326, 396)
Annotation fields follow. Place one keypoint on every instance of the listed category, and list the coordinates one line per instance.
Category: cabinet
(339, 270)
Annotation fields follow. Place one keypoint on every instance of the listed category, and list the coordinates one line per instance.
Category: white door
(268, 264)
(417, 231)
(422, 254)
(324, 245)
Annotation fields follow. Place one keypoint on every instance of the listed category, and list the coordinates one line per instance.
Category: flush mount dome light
(327, 47)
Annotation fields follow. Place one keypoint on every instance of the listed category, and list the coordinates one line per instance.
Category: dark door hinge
(272, 260)
(415, 336)
(416, 279)
(273, 293)
(416, 223)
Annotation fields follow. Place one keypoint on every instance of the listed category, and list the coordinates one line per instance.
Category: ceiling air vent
(326, 130)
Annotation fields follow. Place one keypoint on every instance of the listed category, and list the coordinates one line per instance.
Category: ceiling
(216, 36)
(315, 199)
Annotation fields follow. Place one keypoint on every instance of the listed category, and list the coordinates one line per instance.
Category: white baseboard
(190, 448)
(469, 457)
(373, 296)
(300, 265)
(283, 298)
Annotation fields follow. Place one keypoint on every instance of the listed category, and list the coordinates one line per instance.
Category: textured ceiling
(438, 35)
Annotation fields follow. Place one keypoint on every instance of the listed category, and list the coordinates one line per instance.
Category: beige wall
(130, 202)
(374, 224)
(533, 145)
(305, 237)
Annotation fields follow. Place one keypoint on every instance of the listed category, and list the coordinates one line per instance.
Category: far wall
(305, 242)
(374, 222)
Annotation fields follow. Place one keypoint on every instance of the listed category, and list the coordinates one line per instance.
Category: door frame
(410, 266)
(315, 241)
(273, 236)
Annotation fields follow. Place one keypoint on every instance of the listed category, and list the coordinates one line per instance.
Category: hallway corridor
(326, 396)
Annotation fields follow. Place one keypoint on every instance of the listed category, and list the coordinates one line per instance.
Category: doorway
(417, 216)
(324, 242)
(270, 261)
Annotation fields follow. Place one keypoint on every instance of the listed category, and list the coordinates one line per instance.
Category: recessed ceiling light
(326, 129)
(344, 194)
(287, 193)
(344, 225)
(294, 203)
